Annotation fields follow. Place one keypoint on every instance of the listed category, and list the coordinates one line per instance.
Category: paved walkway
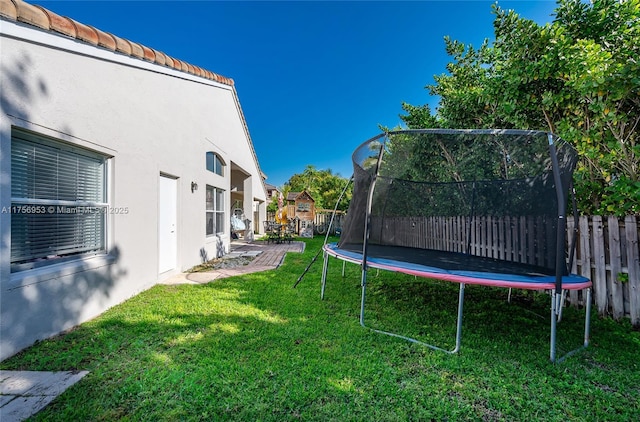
(25, 393)
(268, 256)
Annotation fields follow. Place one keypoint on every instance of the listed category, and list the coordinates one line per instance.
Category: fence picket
(585, 260)
(600, 274)
(571, 224)
(508, 240)
(615, 264)
(633, 266)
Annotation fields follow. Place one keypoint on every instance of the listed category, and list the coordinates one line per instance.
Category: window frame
(71, 229)
(214, 211)
(215, 163)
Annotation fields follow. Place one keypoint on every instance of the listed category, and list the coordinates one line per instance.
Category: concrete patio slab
(25, 393)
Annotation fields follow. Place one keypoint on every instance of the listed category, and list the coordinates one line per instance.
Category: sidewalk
(25, 393)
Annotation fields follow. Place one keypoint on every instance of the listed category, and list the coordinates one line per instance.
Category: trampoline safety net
(483, 200)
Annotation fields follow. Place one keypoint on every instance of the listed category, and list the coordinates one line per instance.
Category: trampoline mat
(449, 261)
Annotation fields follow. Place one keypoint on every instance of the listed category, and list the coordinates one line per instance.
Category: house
(119, 167)
(272, 192)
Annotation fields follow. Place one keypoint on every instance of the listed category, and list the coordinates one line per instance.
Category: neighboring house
(272, 192)
(118, 168)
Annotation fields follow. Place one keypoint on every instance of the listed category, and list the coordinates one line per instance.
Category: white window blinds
(58, 201)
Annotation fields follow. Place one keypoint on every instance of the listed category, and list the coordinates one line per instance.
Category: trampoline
(480, 207)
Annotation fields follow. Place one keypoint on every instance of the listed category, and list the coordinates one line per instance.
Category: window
(304, 207)
(215, 211)
(58, 201)
(215, 163)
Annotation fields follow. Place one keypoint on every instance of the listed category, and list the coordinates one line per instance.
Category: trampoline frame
(328, 251)
(557, 288)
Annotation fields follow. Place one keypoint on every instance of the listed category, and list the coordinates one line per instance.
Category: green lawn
(253, 348)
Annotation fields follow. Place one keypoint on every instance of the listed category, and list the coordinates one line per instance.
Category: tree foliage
(324, 186)
(578, 77)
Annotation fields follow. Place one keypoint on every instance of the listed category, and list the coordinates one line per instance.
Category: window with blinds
(58, 201)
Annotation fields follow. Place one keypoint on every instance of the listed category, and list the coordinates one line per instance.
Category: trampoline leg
(412, 340)
(364, 294)
(587, 327)
(552, 346)
(344, 264)
(563, 296)
(324, 274)
(587, 319)
(459, 323)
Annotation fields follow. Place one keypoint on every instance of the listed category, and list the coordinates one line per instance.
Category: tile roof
(18, 10)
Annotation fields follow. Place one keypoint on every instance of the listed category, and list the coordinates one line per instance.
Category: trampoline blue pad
(456, 267)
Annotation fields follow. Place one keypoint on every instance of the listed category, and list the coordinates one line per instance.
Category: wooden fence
(608, 253)
(607, 249)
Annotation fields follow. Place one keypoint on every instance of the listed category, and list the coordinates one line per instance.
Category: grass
(253, 348)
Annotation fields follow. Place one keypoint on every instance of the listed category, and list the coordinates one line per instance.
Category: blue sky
(315, 79)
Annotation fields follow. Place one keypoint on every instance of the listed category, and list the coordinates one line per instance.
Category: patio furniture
(273, 231)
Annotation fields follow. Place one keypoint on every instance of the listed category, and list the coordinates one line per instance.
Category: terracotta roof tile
(122, 46)
(161, 58)
(33, 15)
(105, 40)
(61, 24)
(136, 50)
(148, 53)
(8, 10)
(85, 33)
(18, 10)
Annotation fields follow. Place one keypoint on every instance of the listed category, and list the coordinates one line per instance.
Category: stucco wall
(151, 120)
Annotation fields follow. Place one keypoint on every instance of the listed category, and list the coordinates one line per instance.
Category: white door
(167, 221)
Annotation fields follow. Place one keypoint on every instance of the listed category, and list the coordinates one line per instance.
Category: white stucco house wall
(119, 167)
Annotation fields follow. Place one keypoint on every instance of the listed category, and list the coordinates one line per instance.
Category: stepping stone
(252, 254)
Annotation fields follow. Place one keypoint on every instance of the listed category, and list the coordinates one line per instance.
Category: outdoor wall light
(194, 187)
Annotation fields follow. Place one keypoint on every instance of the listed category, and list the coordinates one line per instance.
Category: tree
(578, 77)
(324, 186)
